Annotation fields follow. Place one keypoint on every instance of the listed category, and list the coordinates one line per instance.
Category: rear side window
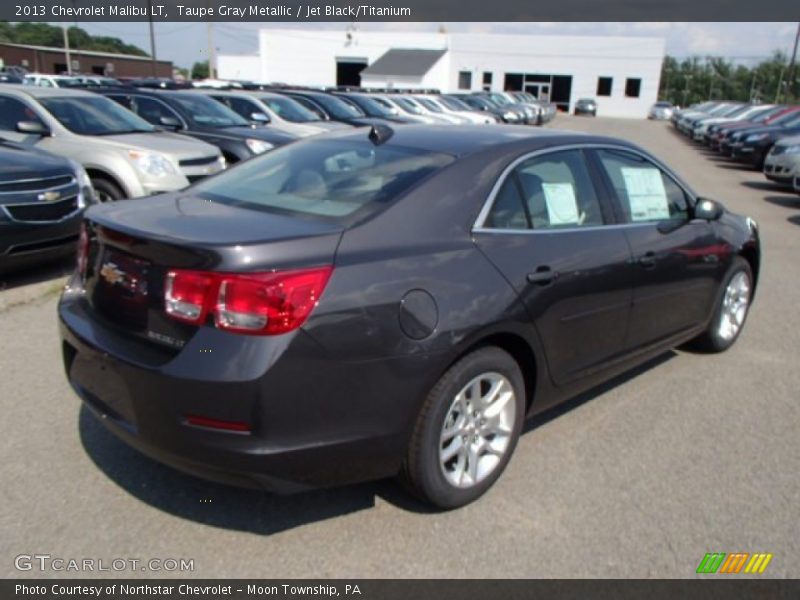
(555, 190)
(333, 179)
(12, 111)
(644, 191)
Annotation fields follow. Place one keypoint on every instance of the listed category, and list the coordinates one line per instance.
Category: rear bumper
(315, 421)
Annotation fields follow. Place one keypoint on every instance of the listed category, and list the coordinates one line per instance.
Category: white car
(260, 108)
(52, 81)
(661, 111)
(782, 163)
(435, 109)
(459, 109)
(405, 110)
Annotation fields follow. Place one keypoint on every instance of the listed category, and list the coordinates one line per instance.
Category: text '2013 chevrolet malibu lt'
(392, 302)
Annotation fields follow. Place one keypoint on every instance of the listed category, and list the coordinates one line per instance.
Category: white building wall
(241, 67)
(309, 57)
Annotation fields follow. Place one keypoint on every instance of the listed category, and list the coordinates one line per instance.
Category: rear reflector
(83, 250)
(252, 303)
(209, 423)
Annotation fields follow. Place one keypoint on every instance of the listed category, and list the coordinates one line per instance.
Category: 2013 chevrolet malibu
(380, 302)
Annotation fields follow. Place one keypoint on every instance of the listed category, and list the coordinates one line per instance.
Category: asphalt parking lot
(691, 454)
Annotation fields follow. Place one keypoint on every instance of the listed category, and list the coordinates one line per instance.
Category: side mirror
(33, 127)
(259, 117)
(709, 210)
(170, 122)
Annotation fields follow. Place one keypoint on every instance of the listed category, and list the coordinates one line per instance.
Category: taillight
(83, 250)
(253, 303)
(186, 295)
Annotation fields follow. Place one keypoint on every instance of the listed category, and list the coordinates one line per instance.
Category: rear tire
(731, 311)
(467, 429)
(106, 191)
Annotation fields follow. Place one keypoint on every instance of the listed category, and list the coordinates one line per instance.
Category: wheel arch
(99, 173)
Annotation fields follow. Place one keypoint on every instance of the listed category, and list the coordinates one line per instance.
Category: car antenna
(378, 134)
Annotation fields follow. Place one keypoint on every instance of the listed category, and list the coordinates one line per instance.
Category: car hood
(18, 162)
(173, 144)
(274, 136)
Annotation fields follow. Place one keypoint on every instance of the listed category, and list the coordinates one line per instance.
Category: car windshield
(337, 107)
(500, 99)
(453, 104)
(430, 105)
(783, 119)
(207, 112)
(408, 106)
(370, 106)
(793, 122)
(94, 115)
(288, 109)
(332, 179)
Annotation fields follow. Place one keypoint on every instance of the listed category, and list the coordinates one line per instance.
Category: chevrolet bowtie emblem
(49, 196)
(111, 273)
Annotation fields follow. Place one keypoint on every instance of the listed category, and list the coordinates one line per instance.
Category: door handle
(542, 276)
(648, 261)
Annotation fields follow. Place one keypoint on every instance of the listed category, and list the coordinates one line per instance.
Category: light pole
(66, 48)
(793, 64)
(153, 64)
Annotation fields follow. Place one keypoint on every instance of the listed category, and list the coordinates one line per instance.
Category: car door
(676, 258)
(548, 231)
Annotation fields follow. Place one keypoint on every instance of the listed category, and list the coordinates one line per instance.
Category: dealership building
(622, 73)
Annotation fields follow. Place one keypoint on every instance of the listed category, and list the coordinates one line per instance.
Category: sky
(186, 43)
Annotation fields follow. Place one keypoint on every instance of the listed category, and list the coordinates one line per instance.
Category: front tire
(467, 429)
(731, 311)
(106, 191)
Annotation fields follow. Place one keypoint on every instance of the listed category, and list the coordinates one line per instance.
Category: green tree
(43, 34)
(200, 70)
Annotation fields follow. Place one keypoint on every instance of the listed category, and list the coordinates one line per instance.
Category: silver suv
(124, 155)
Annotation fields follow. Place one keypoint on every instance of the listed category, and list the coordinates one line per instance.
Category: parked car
(797, 183)
(482, 103)
(717, 132)
(586, 106)
(91, 81)
(200, 117)
(42, 199)
(661, 111)
(124, 156)
(294, 112)
(700, 130)
(332, 108)
(723, 109)
(372, 108)
(258, 113)
(459, 107)
(505, 100)
(6, 77)
(57, 81)
(439, 105)
(378, 302)
(753, 145)
(733, 136)
(782, 162)
(407, 108)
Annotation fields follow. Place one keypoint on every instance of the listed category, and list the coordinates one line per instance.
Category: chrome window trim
(479, 224)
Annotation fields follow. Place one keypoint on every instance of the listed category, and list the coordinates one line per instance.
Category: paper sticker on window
(562, 207)
(646, 194)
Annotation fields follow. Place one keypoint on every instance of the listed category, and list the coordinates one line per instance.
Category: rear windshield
(332, 179)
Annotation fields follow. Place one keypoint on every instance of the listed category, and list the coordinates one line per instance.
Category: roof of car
(467, 139)
(36, 91)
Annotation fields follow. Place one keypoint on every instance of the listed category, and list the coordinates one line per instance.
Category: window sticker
(646, 194)
(562, 207)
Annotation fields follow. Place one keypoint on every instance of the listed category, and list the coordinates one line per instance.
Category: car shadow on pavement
(218, 505)
(794, 220)
(788, 201)
(38, 274)
(257, 511)
(766, 186)
(573, 403)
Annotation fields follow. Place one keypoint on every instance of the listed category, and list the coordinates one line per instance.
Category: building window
(633, 87)
(604, 85)
(487, 80)
(464, 80)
